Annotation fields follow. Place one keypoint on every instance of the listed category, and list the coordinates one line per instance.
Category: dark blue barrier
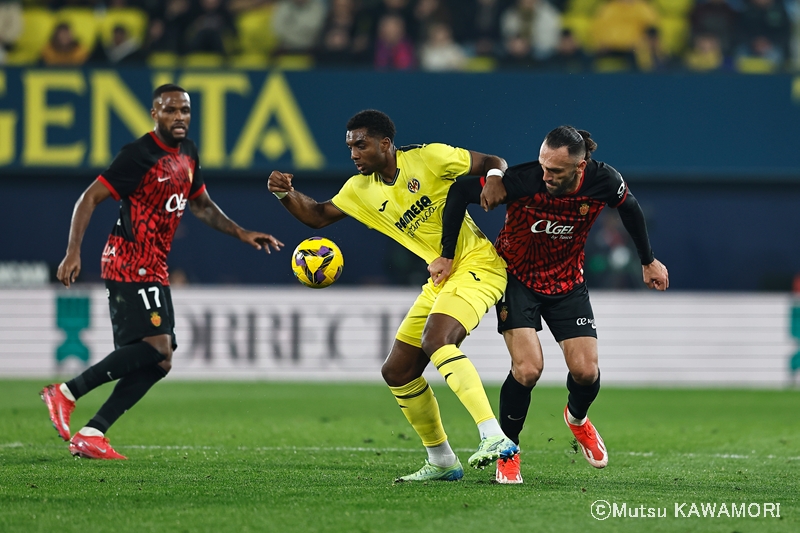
(660, 127)
(712, 237)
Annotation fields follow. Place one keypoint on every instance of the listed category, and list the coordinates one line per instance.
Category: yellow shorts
(470, 291)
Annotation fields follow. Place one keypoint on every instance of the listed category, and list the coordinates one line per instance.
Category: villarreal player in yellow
(401, 192)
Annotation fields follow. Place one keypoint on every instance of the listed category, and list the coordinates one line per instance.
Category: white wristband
(280, 195)
(495, 172)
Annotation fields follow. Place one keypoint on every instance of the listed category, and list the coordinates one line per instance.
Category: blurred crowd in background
(748, 36)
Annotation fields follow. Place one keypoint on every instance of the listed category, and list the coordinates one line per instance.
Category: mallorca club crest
(155, 319)
(413, 185)
(503, 313)
(584, 209)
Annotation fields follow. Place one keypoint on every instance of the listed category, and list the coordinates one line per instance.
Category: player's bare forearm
(304, 208)
(310, 212)
(494, 193)
(70, 266)
(204, 208)
(483, 163)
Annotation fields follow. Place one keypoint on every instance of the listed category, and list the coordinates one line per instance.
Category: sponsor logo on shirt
(415, 215)
(176, 202)
(553, 228)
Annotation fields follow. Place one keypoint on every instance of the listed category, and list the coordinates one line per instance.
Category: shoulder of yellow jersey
(444, 160)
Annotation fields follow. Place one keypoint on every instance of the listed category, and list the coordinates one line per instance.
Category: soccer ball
(317, 262)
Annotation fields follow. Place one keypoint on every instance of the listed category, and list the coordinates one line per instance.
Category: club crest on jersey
(584, 208)
(503, 313)
(155, 319)
(413, 185)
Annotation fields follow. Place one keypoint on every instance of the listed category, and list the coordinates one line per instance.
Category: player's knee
(162, 344)
(397, 377)
(166, 365)
(527, 375)
(586, 375)
(430, 344)
(437, 335)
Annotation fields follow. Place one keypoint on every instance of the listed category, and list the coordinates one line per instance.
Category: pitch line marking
(363, 449)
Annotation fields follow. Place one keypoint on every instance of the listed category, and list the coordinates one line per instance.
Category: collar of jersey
(396, 175)
(164, 146)
(583, 175)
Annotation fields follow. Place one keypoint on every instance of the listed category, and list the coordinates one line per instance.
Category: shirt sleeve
(447, 162)
(126, 171)
(522, 180)
(616, 189)
(345, 199)
(198, 185)
(632, 216)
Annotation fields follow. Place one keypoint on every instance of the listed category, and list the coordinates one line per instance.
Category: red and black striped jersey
(543, 237)
(153, 182)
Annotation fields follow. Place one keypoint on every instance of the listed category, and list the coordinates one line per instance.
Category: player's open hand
(493, 193)
(260, 240)
(656, 275)
(69, 269)
(280, 182)
(440, 269)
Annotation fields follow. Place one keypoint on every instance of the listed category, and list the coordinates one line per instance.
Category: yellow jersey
(409, 209)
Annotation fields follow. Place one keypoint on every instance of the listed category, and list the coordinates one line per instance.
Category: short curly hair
(377, 123)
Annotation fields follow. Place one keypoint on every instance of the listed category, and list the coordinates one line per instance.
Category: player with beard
(551, 206)
(153, 178)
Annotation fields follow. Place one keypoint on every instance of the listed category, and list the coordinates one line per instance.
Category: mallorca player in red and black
(551, 206)
(154, 178)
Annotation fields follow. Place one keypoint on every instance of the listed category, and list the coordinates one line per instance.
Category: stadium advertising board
(653, 126)
(345, 334)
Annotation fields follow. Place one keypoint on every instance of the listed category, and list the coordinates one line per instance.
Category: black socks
(581, 396)
(515, 398)
(116, 365)
(129, 390)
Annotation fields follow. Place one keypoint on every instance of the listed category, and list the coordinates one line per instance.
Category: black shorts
(568, 315)
(140, 310)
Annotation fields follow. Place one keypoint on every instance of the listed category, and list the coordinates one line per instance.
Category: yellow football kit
(409, 210)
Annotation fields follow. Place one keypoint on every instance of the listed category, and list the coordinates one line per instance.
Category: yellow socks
(418, 403)
(463, 379)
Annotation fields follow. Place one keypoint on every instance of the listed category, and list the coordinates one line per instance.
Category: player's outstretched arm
(304, 208)
(70, 266)
(204, 208)
(655, 275)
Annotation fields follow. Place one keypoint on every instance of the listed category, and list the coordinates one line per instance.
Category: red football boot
(508, 471)
(92, 448)
(60, 408)
(592, 445)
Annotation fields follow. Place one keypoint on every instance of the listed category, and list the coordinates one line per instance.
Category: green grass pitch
(306, 457)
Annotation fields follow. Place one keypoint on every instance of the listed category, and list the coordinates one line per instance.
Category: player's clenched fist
(280, 182)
